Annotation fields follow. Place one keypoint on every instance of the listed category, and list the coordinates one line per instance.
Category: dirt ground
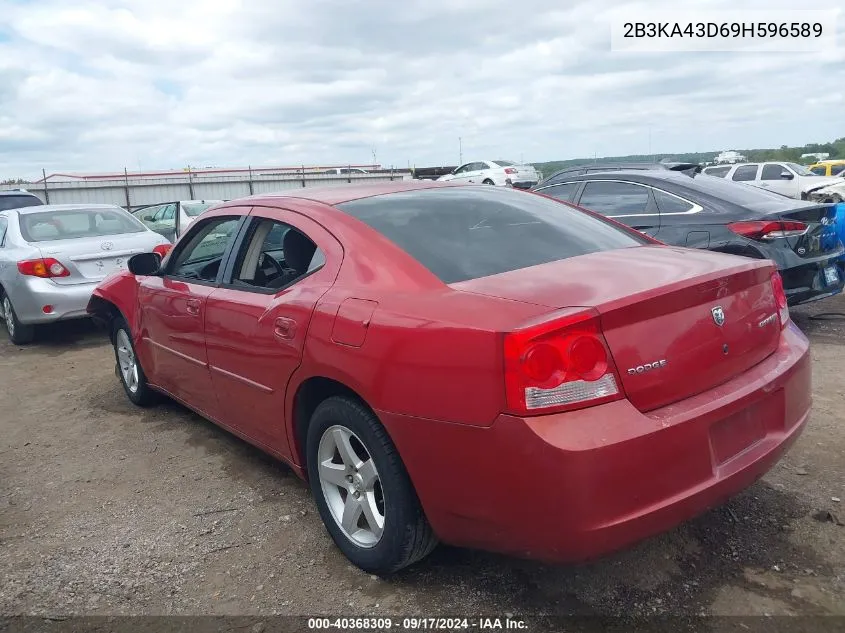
(109, 509)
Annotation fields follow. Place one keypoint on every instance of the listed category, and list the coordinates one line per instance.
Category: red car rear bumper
(577, 485)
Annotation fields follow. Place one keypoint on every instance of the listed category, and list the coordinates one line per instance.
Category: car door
(172, 311)
(776, 177)
(627, 202)
(477, 172)
(256, 322)
(462, 172)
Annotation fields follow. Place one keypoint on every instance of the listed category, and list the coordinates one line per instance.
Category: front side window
(615, 199)
(203, 254)
(65, 225)
(274, 256)
(773, 171)
(821, 170)
(745, 173)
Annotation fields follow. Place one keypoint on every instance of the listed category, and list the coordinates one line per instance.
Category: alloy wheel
(9, 316)
(126, 361)
(351, 486)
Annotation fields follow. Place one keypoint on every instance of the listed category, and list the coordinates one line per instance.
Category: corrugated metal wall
(131, 193)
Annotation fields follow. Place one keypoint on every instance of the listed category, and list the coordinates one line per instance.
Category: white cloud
(103, 85)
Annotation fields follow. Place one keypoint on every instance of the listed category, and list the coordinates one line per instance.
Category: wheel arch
(309, 394)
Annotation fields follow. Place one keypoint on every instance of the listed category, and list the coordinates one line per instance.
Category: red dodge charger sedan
(474, 365)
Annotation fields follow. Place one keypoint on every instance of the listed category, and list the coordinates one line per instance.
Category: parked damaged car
(403, 345)
(710, 213)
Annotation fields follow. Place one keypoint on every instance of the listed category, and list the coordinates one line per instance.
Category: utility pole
(649, 140)
(460, 152)
(375, 162)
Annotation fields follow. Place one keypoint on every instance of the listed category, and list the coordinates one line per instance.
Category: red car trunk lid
(678, 321)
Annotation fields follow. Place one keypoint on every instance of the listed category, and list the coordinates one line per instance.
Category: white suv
(788, 179)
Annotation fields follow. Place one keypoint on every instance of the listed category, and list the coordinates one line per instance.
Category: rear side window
(77, 223)
(18, 202)
(616, 199)
(745, 172)
(667, 203)
(835, 170)
(461, 234)
(719, 172)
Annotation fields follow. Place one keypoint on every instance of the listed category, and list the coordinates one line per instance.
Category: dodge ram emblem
(718, 315)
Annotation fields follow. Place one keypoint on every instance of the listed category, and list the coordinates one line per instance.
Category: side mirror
(145, 264)
(787, 175)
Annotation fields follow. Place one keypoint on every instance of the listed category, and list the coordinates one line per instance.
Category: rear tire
(128, 368)
(355, 472)
(19, 333)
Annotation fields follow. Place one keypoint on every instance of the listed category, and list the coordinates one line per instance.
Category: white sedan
(503, 173)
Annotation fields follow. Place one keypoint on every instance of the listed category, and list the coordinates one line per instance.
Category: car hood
(822, 181)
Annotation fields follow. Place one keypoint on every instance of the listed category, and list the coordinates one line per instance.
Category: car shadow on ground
(54, 339)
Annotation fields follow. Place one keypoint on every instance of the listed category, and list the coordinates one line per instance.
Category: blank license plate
(831, 276)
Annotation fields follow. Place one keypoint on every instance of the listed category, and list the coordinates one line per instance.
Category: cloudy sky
(157, 84)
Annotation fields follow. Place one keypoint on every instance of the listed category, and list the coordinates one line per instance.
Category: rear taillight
(46, 268)
(162, 250)
(559, 365)
(768, 230)
(780, 298)
(511, 170)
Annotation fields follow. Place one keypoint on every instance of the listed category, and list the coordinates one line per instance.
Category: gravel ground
(109, 509)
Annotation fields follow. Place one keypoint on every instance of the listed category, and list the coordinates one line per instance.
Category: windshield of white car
(503, 163)
(800, 169)
(49, 226)
(193, 209)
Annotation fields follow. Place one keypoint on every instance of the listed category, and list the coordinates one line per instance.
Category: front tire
(362, 490)
(128, 368)
(19, 334)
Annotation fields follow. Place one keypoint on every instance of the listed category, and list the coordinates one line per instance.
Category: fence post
(349, 174)
(46, 193)
(391, 173)
(126, 189)
(303, 175)
(251, 192)
(190, 183)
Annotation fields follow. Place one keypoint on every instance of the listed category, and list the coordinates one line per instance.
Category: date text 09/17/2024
(416, 624)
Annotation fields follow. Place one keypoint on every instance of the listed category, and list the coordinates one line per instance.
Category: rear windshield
(504, 163)
(65, 225)
(748, 196)
(462, 233)
(193, 209)
(18, 202)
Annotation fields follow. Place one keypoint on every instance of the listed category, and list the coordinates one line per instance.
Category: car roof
(16, 192)
(64, 207)
(337, 194)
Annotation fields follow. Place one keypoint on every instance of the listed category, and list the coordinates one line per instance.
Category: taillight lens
(559, 365)
(768, 230)
(162, 250)
(780, 298)
(46, 267)
(511, 170)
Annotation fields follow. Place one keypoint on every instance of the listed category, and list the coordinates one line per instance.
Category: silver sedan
(53, 256)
